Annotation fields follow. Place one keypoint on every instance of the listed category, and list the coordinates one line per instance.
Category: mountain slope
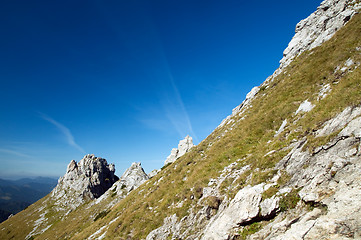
(285, 164)
(17, 195)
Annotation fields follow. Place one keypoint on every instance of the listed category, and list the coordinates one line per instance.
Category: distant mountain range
(16, 195)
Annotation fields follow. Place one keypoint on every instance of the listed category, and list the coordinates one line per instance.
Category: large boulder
(243, 208)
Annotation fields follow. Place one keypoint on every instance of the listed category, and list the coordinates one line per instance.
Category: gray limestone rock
(319, 27)
(165, 230)
(86, 180)
(340, 121)
(269, 206)
(243, 208)
(329, 178)
(184, 146)
(133, 177)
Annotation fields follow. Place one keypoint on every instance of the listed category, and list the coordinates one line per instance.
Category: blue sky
(126, 80)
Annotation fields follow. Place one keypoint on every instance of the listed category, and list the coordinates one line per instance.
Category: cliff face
(284, 165)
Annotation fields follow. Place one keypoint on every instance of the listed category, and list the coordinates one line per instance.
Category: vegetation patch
(312, 205)
(262, 176)
(165, 166)
(270, 192)
(289, 200)
(283, 179)
(213, 202)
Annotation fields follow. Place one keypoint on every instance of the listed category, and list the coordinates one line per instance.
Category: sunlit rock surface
(184, 146)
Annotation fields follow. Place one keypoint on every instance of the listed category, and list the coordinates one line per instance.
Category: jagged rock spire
(86, 180)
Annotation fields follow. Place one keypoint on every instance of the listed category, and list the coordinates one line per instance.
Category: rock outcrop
(131, 179)
(243, 208)
(86, 180)
(330, 182)
(184, 146)
(319, 27)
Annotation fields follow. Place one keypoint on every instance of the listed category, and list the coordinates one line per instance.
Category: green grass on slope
(250, 139)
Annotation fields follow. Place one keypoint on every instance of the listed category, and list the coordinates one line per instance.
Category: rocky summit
(286, 164)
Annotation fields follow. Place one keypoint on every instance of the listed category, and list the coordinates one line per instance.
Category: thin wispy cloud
(172, 114)
(183, 111)
(172, 101)
(13, 152)
(174, 109)
(64, 130)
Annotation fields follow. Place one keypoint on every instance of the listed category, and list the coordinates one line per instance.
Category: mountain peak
(88, 179)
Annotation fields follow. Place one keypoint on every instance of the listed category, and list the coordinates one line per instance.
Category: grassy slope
(145, 208)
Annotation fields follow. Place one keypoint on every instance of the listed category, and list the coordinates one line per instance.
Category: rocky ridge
(93, 179)
(310, 32)
(90, 182)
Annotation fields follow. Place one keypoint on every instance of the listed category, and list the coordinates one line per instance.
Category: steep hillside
(285, 165)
